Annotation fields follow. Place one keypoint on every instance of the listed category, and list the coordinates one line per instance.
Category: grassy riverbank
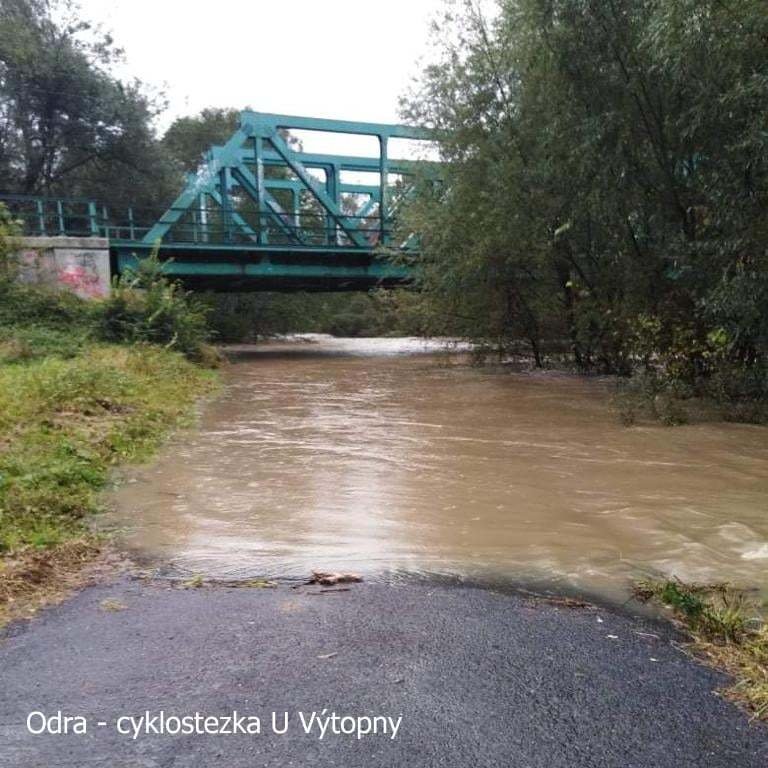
(84, 386)
(64, 423)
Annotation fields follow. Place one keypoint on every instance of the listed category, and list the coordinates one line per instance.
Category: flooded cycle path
(394, 456)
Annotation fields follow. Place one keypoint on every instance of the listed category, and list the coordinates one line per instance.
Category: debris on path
(331, 579)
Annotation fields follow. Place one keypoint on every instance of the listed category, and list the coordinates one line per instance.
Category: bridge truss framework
(260, 212)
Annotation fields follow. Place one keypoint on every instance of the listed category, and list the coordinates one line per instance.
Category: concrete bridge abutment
(80, 265)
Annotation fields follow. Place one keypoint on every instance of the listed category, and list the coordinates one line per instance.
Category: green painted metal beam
(260, 141)
(326, 201)
(247, 250)
(251, 118)
(354, 163)
(179, 267)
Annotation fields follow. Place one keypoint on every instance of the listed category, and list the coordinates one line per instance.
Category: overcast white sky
(324, 58)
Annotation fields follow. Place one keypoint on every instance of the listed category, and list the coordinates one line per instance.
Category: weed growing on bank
(726, 629)
(144, 306)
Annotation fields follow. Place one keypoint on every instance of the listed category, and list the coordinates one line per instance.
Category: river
(397, 459)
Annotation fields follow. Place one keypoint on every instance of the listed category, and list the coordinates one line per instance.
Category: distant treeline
(69, 127)
(254, 316)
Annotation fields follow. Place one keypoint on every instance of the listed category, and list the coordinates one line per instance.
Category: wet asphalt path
(480, 679)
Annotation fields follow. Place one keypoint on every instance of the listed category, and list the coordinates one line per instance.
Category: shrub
(145, 306)
(24, 305)
(36, 321)
(10, 229)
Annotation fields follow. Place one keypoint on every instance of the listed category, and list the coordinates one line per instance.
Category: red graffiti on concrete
(81, 279)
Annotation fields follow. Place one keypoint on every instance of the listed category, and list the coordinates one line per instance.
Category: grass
(84, 386)
(726, 629)
(65, 422)
(72, 408)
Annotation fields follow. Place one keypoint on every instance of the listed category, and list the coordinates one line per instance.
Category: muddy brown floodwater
(394, 457)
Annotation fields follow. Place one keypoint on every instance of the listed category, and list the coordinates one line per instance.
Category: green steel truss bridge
(261, 213)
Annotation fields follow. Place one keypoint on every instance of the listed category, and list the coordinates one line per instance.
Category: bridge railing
(49, 216)
(202, 226)
(243, 225)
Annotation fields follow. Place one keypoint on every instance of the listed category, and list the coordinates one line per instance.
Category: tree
(606, 179)
(67, 126)
(189, 137)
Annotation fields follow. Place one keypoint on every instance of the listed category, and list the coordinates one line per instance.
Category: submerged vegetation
(725, 628)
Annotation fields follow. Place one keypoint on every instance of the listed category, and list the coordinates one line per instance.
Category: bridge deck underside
(241, 269)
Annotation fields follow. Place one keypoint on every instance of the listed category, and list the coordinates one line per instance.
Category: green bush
(20, 344)
(360, 317)
(23, 305)
(35, 320)
(249, 317)
(10, 229)
(145, 306)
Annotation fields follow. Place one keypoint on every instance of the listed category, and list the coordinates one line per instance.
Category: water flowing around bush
(606, 187)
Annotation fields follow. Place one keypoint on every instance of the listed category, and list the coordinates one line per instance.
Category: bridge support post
(202, 203)
(226, 204)
(261, 223)
(332, 187)
(60, 217)
(383, 182)
(40, 216)
(93, 219)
